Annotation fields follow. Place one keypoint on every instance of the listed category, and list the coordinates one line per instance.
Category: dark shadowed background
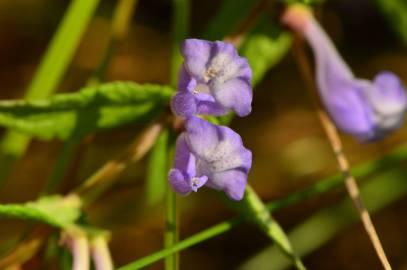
(288, 144)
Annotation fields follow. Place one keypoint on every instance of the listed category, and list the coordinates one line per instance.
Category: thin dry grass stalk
(336, 145)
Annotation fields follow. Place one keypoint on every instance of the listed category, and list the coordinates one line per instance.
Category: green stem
(180, 29)
(322, 186)
(49, 73)
(171, 234)
(171, 229)
(63, 160)
(184, 244)
(156, 178)
(359, 171)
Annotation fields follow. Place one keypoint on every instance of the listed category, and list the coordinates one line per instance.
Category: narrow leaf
(253, 208)
(90, 110)
(395, 11)
(49, 73)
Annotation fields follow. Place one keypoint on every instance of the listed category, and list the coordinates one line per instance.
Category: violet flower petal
(196, 55)
(389, 101)
(179, 183)
(184, 104)
(367, 110)
(232, 182)
(220, 155)
(235, 94)
(210, 155)
(216, 76)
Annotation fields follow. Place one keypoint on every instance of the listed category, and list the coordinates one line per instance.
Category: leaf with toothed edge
(54, 210)
(89, 110)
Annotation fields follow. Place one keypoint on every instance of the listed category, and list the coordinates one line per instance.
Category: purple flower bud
(365, 109)
(213, 80)
(210, 155)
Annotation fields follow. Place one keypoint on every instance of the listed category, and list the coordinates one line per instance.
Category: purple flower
(366, 109)
(213, 80)
(210, 155)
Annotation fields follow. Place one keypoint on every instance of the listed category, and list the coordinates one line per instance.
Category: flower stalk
(78, 244)
(100, 253)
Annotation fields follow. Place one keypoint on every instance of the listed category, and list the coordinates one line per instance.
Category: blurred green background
(288, 144)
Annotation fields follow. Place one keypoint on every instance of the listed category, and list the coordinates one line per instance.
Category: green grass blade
(184, 244)
(120, 23)
(49, 73)
(61, 49)
(255, 210)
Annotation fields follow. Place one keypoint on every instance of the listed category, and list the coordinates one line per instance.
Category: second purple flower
(368, 110)
(211, 155)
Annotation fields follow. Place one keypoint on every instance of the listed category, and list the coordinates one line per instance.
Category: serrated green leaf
(53, 210)
(264, 47)
(395, 11)
(89, 110)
